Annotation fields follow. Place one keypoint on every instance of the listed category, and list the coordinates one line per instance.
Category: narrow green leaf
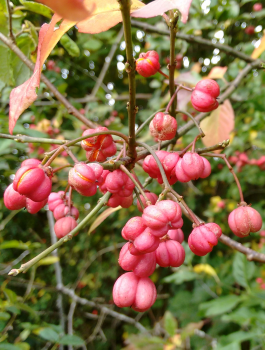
(37, 8)
(170, 323)
(71, 340)
(70, 46)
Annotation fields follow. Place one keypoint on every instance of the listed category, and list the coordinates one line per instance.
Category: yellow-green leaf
(103, 216)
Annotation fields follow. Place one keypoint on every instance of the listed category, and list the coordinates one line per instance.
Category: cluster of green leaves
(216, 295)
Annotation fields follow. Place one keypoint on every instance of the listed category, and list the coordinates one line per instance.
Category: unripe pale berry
(142, 265)
(203, 97)
(163, 127)
(32, 182)
(176, 235)
(244, 220)
(152, 197)
(133, 228)
(148, 64)
(170, 253)
(203, 238)
(132, 291)
(64, 226)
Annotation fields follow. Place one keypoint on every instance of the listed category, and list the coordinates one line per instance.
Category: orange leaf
(218, 126)
(102, 217)
(73, 10)
(24, 95)
(258, 50)
(217, 73)
(106, 15)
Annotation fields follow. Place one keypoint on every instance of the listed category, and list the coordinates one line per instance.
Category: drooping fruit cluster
(154, 238)
(191, 167)
(65, 217)
(98, 148)
(148, 64)
(121, 187)
(240, 159)
(31, 187)
(203, 97)
(163, 127)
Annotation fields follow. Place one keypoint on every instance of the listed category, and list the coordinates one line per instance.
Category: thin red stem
(162, 73)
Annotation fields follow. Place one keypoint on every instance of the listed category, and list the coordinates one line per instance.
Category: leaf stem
(24, 267)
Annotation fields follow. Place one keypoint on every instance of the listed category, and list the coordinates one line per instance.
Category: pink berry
(64, 226)
(82, 178)
(146, 242)
(54, 199)
(34, 207)
(133, 228)
(244, 220)
(132, 291)
(13, 200)
(207, 168)
(192, 165)
(148, 64)
(124, 202)
(176, 235)
(203, 238)
(30, 162)
(257, 7)
(32, 182)
(142, 265)
(119, 183)
(203, 98)
(156, 220)
(152, 197)
(170, 253)
(173, 212)
(180, 174)
(62, 210)
(262, 286)
(262, 233)
(163, 127)
(259, 280)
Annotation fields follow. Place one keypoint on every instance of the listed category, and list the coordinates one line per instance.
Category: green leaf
(220, 305)
(181, 276)
(70, 46)
(6, 73)
(14, 244)
(92, 45)
(71, 340)
(48, 334)
(37, 8)
(170, 323)
(243, 269)
(6, 346)
(4, 316)
(10, 295)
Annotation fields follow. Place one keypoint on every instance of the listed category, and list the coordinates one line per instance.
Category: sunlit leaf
(106, 15)
(206, 268)
(24, 95)
(217, 73)
(158, 7)
(37, 8)
(218, 126)
(73, 10)
(103, 216)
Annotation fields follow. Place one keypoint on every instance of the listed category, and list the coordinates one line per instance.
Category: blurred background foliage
(211, 302)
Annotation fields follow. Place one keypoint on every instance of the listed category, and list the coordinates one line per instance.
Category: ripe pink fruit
(119, 183)
(34, 207)
(124, 202)
(133, 228)
(257, 7)
(192, 165)
(82, 178)
(148, 64)
(62, 210)
(64, 226)
(32, 182)
(30, 162)
(176, 235)
(207, 168)
(13, 200)
(152, 198)
(203, 97)
(203, 238)
(163, 127)
(100, 147)
(244, 220)
(135, 292)
(142, 265)
(180, 174)
(170, 253)
(54, 199)
(146, 242)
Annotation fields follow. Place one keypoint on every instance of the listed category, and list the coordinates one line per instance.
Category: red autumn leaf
(158, 7)
(218, 126)
(24, 95)
(73, 10)
(106, 15)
